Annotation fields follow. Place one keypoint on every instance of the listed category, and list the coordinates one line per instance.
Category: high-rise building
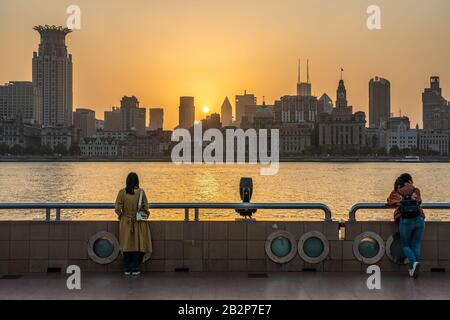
(132, 117)
(379, 102)
(186, 112)
(156, 118)
(226, 113)
(113, 120)
(84, 120)
(20, 99)
(436, 110)
(242, 101)
(52, 74)
(303, 88)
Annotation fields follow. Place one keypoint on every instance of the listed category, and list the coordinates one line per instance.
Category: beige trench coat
(134, 236)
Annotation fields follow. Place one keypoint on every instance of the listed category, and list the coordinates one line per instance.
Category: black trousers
(132, 260)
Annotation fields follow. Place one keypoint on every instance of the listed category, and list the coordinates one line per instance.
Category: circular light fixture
(103, 247)
(281, 247)
(394, 250)
(368, 247)
(313, 247)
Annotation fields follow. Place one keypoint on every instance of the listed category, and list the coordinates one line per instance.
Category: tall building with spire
(52, 75)
(341, 95)
(341, 128)
(303, 88)
(226, 113)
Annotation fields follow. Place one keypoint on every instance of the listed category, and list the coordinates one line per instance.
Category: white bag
(141, 215)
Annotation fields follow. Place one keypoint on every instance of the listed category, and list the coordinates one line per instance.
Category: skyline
(158, 78)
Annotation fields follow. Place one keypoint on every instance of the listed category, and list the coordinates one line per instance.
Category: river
(339, 185)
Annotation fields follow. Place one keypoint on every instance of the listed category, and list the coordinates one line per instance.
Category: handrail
(177, 205)
(381, 206)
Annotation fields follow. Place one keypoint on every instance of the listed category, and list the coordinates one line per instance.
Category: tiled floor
(210, 286)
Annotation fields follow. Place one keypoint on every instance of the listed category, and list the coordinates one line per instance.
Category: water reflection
(337, 185)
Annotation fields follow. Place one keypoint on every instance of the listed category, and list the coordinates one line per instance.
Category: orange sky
(159, 50)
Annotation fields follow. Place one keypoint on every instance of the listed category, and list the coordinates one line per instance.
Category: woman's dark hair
(132, 183)
(402, 180)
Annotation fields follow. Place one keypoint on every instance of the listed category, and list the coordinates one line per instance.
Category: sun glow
(205, 109)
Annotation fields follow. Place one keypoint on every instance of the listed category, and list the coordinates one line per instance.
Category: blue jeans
(411, 234)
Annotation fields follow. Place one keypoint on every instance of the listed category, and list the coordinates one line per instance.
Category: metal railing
(186, 206)
(383, 206)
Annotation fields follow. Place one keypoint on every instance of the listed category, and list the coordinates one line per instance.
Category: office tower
(379, 102)
(242, 101)
(20, 99)
(303, 88)
(186, 112)
(52, 75)
(84, 120)
(132, 117)
(156, 118)
(113, 120)
(436, 110)
(226, 113)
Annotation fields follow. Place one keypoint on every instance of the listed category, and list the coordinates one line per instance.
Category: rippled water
(339, 185)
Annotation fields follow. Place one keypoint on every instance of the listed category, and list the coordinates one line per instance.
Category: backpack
(409, 208)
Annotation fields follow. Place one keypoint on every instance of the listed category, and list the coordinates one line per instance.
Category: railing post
(58, 214)
(47, 214)
(186, 214)
(197, 215)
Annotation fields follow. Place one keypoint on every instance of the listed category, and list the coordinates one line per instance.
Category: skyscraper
(242, 101)
(379, 102)
(52, 75)
(84, 120)
(186, 112)
(226, 113)
(156, 118)
(113, 120)
(436, 110)
(133, 118)
(20, 99)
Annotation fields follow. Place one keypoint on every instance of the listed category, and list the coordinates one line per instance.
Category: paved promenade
(223, 286)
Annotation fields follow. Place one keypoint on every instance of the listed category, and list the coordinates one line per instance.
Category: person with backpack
(407, 200)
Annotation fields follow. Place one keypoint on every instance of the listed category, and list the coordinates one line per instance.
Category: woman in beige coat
(134, 236)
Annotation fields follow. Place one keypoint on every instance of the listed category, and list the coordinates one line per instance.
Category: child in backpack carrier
(406, 198)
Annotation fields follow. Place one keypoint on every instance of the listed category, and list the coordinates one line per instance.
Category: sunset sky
(159, 50)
